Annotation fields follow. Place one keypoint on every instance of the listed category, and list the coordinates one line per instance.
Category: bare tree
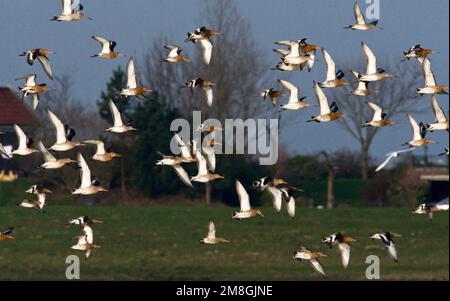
(394, 95)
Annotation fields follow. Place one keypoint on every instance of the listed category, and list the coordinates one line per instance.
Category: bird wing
(344, 249)
(330, 65)
(391, 250)
(430, 81)
(207, 50)
(377, 116)
(244, 199)
(322, 100)
(290, 206)
(211, 230)
(277, 197)
(184, 149)
(21, 137)
(115, 114)
(100, 146)
(66, 7)
(173, 50)
(210, 157)
(201, 164)
(316, 265)
(358, 15)
(89, 234)
(131, 74)
(81, 240)
(371, 59)
(85, 172)
(35, 101)
(438, 113)
(293, 90)
(104, 42)
(5, 154)
(385, 162)
(30, 80)
(47, 155)
(45, 63)
(310, 63)
(415, 127)
(209, 95)
(283, 52)
(59, 126)
(182, 174)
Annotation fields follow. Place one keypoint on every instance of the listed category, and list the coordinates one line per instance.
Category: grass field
(162, 243)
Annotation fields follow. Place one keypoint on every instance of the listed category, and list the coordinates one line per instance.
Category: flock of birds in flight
(297, 56)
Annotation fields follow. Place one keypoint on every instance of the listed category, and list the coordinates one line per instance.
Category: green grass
(162, 243)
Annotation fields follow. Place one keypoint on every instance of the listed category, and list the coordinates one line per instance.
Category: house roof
(14, 111)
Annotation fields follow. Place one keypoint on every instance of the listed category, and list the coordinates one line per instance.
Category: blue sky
(135, 23)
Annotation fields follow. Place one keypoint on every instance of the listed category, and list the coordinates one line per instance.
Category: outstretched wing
(330, 65)
(244, 199)
(358, 15)
(322, 99)
(207, 47)
(45, 63)
(370, 59)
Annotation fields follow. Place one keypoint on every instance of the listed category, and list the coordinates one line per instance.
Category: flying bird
(86, 242)
(362, 89)
(71, 11)
(312, 257)
(295, 103)
(50, 161)
(174, 55)
(272, 94)
(419, 132)
(211, 238)
(205, 85)
(7, 233)
(89, 185)
(387, 240)
(334, 79)
(101, 154)
(246, 210)
(308, 49)
(203, 174)
(202, 35)
(418, 52)
(446, 152)
(430, 208)
(392, 155)
(25, 143)
(118, 126)
(39, 54)
(327, 112)
(379, 117)
(107, 51)
(175, 162)
(372, 72)
(430, 81)
(133, 89)
(361, 23)
(342, 242)
(37, 204)
(84, 220)
(32, 88)
(64, 135)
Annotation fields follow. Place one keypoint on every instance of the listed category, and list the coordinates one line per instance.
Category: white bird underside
(85, 172)
(344, 249)
(117, 118)
(100, 146)
(415, 127)
(105, 44)
(47, 155)
(182, 174)
(211, 230)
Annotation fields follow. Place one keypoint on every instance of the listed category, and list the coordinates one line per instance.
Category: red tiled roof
(14, 111)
